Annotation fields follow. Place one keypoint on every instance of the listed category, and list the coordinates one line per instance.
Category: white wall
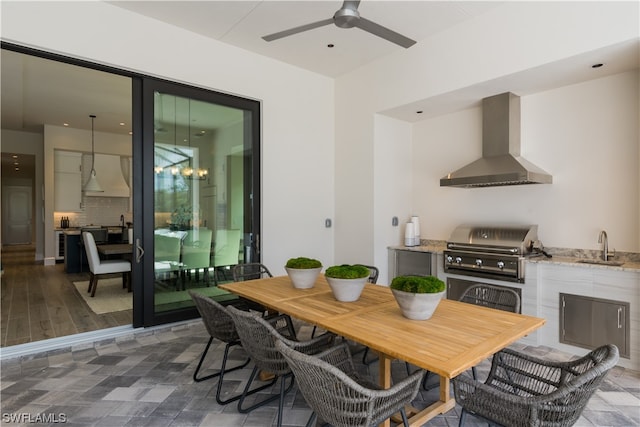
(585, 135)
(465, 61)
(297, 105)
(394, 186)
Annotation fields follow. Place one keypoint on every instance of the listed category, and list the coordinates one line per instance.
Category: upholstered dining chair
(167, 256)
(335, 391)
(226, 252)
(523, 390)
(98, 267)
(196, 255)
(258, 337)
(220, 326)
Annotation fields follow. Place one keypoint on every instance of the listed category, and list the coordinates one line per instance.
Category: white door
(16, 215)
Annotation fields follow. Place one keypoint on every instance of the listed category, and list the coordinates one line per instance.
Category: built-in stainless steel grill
(490, 251)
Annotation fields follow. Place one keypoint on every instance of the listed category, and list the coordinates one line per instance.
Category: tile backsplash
(97, 211)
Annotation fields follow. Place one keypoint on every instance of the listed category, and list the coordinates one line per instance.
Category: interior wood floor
(39, 302)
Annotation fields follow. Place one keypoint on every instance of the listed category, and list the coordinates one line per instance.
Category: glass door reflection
(200, 191)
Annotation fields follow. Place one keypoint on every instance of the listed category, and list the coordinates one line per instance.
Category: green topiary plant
(347, 271)
(418, 284)
(303, 263)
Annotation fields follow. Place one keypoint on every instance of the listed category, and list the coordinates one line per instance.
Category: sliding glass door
(201, 203)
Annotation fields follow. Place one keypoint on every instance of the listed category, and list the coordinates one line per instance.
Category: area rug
(110, 296)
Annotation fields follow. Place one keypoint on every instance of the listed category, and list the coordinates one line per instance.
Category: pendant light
(92, 184)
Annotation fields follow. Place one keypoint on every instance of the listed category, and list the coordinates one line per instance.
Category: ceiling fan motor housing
(346, 18)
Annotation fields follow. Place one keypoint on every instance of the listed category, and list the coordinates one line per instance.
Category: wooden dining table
(457, 336)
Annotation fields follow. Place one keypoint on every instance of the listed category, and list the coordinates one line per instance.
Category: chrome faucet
(604, 240)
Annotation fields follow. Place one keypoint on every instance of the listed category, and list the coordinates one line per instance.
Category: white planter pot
(417, 306)
(303, 278)
(347, 290)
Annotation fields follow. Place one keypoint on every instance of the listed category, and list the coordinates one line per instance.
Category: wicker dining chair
(522, 390)
(339, 396)
(251, 271)
(497, 297)
(220, 326)
(258, 337)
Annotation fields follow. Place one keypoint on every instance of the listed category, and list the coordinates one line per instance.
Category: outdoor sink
(600, 262)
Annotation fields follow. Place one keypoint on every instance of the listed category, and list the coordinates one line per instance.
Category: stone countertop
(434, 246)
(560, 256)
(629, 265)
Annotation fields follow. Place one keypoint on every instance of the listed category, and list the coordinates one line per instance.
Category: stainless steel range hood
(501, 163)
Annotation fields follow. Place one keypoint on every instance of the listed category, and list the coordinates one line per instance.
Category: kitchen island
(75, 258)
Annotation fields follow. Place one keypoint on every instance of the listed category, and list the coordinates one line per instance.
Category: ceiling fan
(348, 17)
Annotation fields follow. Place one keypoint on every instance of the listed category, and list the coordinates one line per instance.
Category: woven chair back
(250, 271)
(557, 392)
(498, 297)
(330, 392)
(373, 273)
(216, 319)
(258, 338)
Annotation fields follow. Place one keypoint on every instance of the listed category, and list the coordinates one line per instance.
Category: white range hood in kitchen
(110, 177)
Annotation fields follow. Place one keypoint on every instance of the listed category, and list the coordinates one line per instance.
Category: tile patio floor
(145, 379)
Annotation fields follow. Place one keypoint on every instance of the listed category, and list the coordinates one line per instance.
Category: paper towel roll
(416, 230)
(409, 234)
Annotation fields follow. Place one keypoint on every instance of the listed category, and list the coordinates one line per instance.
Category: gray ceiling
(243, 23)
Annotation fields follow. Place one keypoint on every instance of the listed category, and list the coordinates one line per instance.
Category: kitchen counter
(75, 231)
(559, 256)
(433, 246)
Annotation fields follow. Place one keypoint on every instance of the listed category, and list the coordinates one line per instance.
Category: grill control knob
(458, 260)
(479, 262)
(449, 259)
(500, 265)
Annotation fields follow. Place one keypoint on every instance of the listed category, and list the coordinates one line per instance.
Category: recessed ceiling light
(598, 65)
(65, 124)
(17, 168)
(121, 123)
(15, 156)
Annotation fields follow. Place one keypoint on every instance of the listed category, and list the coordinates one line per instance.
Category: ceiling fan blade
(385, 33)
(297, 30)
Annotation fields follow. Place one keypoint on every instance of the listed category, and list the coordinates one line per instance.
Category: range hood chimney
(500, 163)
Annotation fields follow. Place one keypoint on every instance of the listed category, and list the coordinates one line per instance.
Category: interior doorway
(17, 214)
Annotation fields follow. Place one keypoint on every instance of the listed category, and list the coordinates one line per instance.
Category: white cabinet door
(67, 184)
